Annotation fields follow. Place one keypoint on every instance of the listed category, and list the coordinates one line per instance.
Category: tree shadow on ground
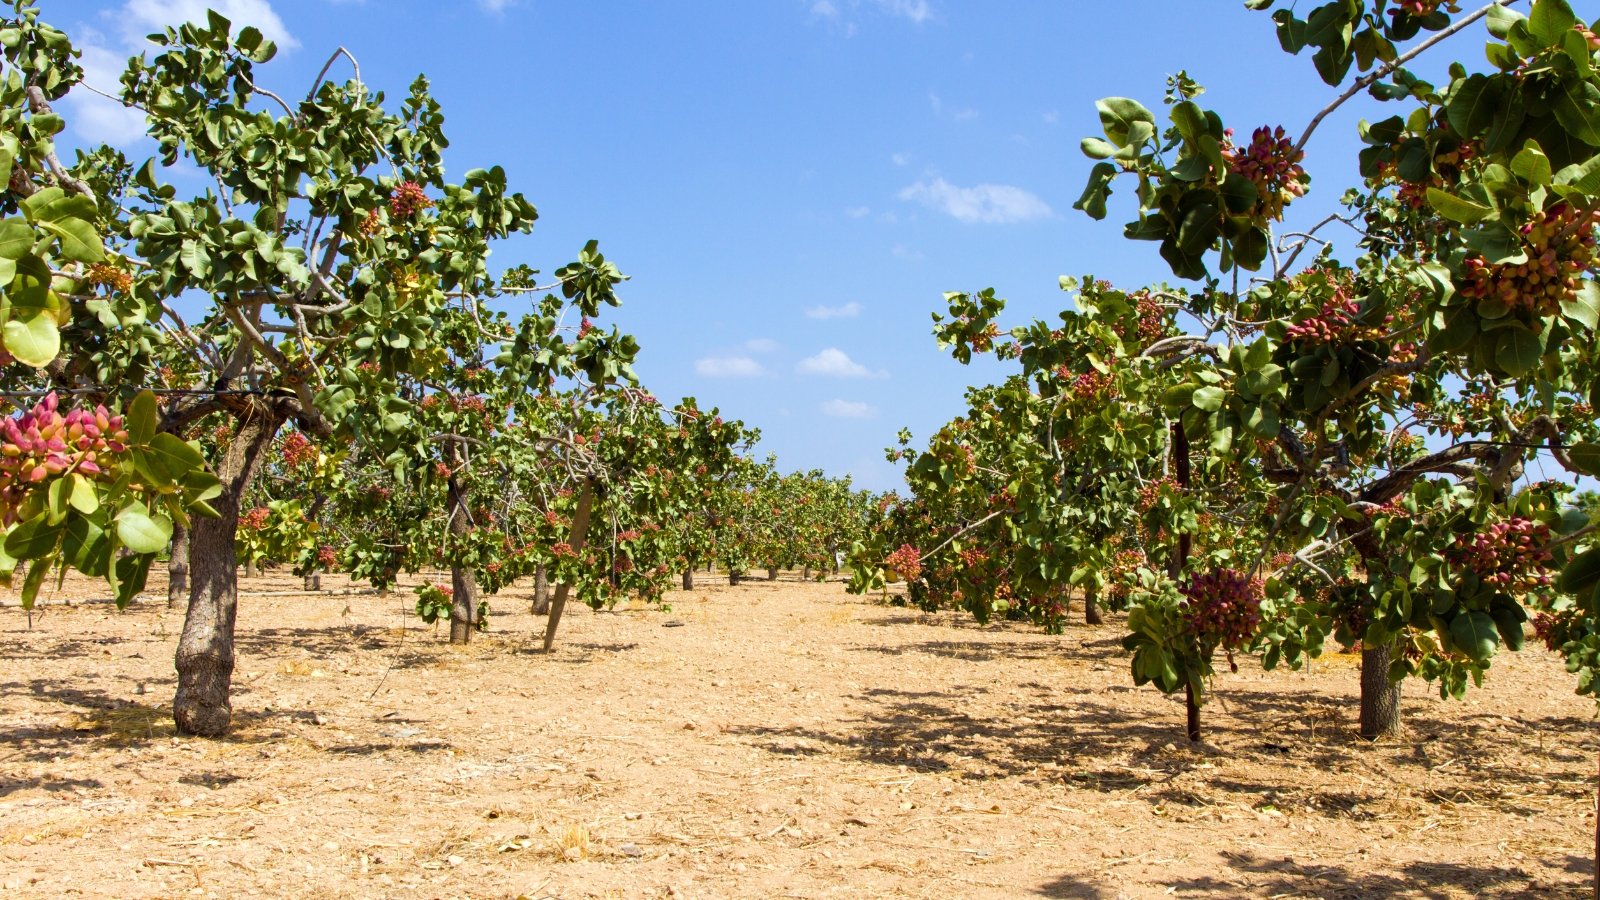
(1283, 876)
(1089, 740)
(102, 720)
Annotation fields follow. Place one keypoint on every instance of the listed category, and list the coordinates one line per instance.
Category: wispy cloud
(761, 345)
(1051, 118)
(824, 9)
(917, 11)
(959, 114)
(983, 203)
(496, 6)
(98, 119)
(729, 367)
(140, 17)
(849, 409)
(835, 363)
(900, 159)
(858, 212)
(848, 311)
(901, 251)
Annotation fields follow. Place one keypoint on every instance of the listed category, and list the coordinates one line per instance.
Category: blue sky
(791, 184)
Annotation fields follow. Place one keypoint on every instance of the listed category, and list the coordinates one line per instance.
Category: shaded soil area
(775, 739)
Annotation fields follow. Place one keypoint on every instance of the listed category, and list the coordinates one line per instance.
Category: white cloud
(858, 212)
(761, 345)
(728, 367)
(1051, 118)
(848, 409)
(959, 114)
(985, 203)
(835, 363)
(901, 251)
(496, 6)
(848, 311)
(99, 119)
(140, 17)
(900, 159)
(917, 11)
(823, 9)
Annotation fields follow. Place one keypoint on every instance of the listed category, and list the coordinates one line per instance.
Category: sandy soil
(770, 740)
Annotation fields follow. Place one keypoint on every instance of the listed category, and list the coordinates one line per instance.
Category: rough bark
(772, 573)
(1380, 699)
(463, 582)
(178, 567)
(733, 577)
(580, 536)
(1192, 711)
(688, 578)
(313, 581)
(251, 570)
(1091, 609)
(805, 574)
(205, 650)
(541, 591)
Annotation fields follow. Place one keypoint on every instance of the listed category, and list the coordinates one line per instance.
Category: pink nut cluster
(1273, 164)
(1509, 554)
(1224, 606)
(42, 442)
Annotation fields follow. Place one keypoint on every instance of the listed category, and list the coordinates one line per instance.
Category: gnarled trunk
(688, 577)
(178, 567)
(1380, 698)
(1091, 608)
(205, 650)
(541, 591)
(463, 583)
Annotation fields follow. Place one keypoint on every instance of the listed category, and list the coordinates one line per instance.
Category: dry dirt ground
(777, 739)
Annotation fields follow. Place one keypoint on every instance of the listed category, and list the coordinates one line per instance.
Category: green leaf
(1586, 456)
(1208, 398)
(1577, 108)
(141, 532)
(1095, 148)
(1584, 306)
(1120, 116)
(34, 341)
(33, 539)
(1550, 20)
(82, 496)
(1580, 576)
(1475, 634)
(1518, 351)
(1457, 209)
(175, 455)
(1532, 166)
(143, 418)
(1097, 191)
(16, 238)
(1476, 103)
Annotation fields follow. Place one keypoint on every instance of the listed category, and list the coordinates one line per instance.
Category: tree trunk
(1192, 710)
(1091, 608)
(688, 578)
(1380, 699)
(733, 577)
(711, 568)
(580, 536)
(205, 650)
(178, 567)
(772, 573)
(541, 591)
(463, 583)
(313, 581)
(250, 568)
(805, 574)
